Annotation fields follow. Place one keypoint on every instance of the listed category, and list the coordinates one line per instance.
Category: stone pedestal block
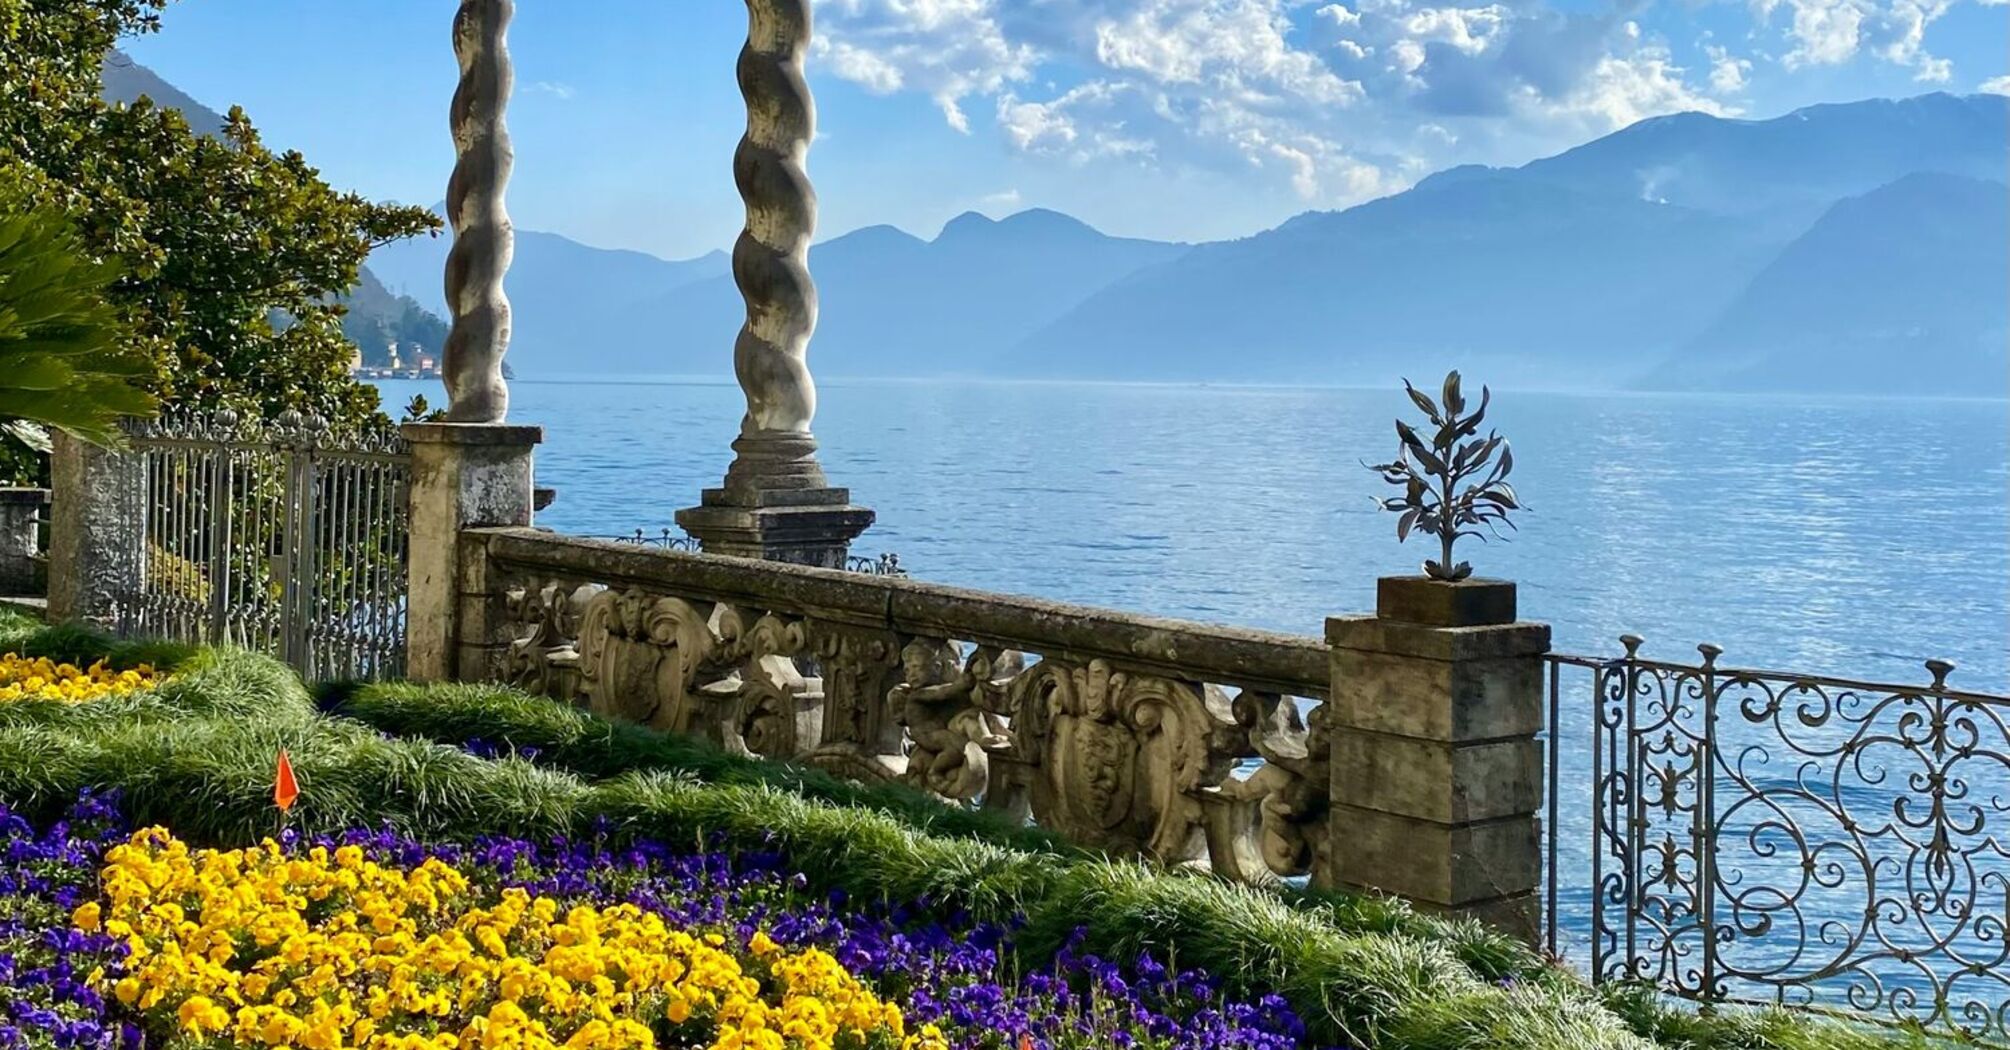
(94, 531)
(1437, 771)
(775, 505)
(464, 476)
(20, 525)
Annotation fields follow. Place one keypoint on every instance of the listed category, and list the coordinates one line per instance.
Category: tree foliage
(65, 359)
(231, 254)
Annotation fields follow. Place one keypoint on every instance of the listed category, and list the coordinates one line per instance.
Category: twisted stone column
(775, 502)
(483, 238)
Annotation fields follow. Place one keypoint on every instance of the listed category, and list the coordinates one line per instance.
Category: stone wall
(1141, 736)
(21, 569)
(1399, 755)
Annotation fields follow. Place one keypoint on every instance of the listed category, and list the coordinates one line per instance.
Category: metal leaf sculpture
(1452, 486)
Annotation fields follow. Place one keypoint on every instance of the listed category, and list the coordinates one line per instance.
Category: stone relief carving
(861, 734)
(950, 736)
(1120, 759)
(1121, 755)
(1268, 823)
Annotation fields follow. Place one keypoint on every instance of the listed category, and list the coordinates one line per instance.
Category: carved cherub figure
(948, 731)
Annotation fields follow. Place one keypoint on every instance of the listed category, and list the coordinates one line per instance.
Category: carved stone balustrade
(1140, 736)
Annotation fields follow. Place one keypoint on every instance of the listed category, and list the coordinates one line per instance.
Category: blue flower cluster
(50, 996)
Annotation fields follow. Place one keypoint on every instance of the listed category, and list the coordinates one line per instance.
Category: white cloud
(1053, 127)
(1239, 45)
(1727, 71)
(561, 91)
(1467, 29)
(1338, 100)
(1035, 125)
(1000, 201)
(1995, 86)
(1340, 16)
(1832, 32)
(1622, 91)
(861, 67)
(949, 49)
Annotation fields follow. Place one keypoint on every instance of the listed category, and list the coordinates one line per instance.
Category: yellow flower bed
(39, 678)
(326, 951)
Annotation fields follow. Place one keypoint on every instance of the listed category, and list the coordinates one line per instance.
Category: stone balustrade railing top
(1133, 734)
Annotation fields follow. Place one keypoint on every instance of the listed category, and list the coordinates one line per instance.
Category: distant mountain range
(1627, 261)
(1852, 247)
(1856, 247)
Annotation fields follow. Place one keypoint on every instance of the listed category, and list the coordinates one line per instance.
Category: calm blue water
(1848, 536)
(1838, 536)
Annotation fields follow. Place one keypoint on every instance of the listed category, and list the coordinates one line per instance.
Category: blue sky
(1174, 119)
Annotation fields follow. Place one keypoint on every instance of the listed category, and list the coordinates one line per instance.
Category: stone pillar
(95, 531)
(464, 476)
(1437, 772)
(775, 502)
(20, 526)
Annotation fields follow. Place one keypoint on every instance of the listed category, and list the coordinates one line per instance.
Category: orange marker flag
(285, 789)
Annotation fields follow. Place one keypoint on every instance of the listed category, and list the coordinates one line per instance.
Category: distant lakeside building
(417, 364)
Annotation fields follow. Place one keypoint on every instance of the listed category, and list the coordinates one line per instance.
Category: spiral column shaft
(775, 502)
(771, 257)
(483, 238)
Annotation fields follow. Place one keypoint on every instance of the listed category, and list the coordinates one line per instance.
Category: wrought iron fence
(1782, 838)
(665, 539)
(282, 536)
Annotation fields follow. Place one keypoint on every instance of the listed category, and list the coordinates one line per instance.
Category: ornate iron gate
(1797, 840)
(282, 536)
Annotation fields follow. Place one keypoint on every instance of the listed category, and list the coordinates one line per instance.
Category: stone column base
(817, 534)
(775, 505)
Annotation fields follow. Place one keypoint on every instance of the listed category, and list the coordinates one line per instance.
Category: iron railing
(281, 536)
(1782, 838)
(666, 539)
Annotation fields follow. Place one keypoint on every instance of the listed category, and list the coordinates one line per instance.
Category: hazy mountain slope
(894, 305)
(547, 264)
(1539, 282)
(567, 299)
(1562, 271)
(124, 80)
(1905, 289)
(1795, 164)
(378, 317)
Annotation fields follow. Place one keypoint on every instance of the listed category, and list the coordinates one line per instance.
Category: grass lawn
(860, 896)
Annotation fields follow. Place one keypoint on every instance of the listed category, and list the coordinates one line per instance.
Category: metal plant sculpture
(1450, 488)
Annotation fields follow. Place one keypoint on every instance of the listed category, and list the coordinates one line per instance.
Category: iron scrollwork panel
(1842, 841)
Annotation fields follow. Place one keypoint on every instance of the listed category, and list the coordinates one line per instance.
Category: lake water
(1847, 537)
